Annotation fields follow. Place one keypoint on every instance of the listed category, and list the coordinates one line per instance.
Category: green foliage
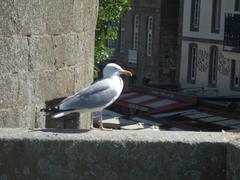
(110, 13)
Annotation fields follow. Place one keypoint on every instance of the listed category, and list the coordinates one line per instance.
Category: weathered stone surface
(44, 44)
(15, 90)
(41, 55)
(55, 84)
(38, 17)
(13, 54)
(233, 159)
(18, 117)
(79, 154)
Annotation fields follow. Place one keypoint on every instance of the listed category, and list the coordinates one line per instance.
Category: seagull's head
(114, 69)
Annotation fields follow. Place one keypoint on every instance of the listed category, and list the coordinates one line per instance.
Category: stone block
(22, 17)
(38, 17)
(75, 154)
(42, 42)
(52, 85)
(41, 53)
(68, 50)
(13, 54)
(80, 78)
(78, 16)
(233, 159)
(31, 16)
(15, 91)
(59, 16)
(17, 117)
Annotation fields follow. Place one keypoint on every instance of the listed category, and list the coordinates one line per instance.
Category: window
(212, 76)
(122, 39)
(149, 35)
(136, 32)
(236, 75)
(216, 16)
(195, 15)
(237, 5)
(192, 63)
(111, 44)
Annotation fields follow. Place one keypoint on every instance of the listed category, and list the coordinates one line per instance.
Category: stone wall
(46, 52)
(168, 42)
(77, 154)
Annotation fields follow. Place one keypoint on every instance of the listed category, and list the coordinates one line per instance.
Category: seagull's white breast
(115, 83)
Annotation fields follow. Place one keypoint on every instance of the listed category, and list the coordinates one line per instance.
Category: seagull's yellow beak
(127, 73)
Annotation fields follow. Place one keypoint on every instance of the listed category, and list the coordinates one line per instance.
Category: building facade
(148, 42)
(206, 68)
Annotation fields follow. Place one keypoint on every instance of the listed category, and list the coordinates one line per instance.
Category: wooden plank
(175, 129)
(161, 103)
(129, 97)
(152, 100)
(213, 119)
(167, 94)
(235, 127)
(140, 126)
(128, 94)
(117, 122)
(229, 122)
(132, 106)
(145, 121)
(175, 107)
(199, 115)
(140, 99)
(162, 115)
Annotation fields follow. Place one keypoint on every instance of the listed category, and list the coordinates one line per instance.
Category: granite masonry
(46, 52)
(135, 155)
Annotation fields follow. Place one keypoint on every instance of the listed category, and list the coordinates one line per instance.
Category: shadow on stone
(67, 131)
(70, 121)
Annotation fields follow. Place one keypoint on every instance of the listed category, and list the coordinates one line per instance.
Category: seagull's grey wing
(97, 95)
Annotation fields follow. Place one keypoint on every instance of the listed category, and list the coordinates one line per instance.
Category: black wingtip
(50, 109)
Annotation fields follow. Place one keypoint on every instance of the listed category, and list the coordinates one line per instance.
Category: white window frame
(216, 15)
(236, 76)
(237, 5)
(149, 41)
(213, 61)
(132, 56)
(122, 39)
(196, 13)
(193, 57)
(136, 23)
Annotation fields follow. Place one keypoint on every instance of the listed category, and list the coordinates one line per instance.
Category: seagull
(95, 97)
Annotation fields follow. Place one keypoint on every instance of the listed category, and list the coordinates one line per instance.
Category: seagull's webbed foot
(101, 124)
(105, 129)
(93, 128)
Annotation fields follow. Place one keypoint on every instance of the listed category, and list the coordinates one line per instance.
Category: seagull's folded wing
(97, 95)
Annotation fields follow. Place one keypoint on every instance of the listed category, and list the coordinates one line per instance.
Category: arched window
(195, 15)
(149, 38)
(136, 22)
(216, 16)
(212, 75)
(237, 5)
(235, 75)
(192, 63)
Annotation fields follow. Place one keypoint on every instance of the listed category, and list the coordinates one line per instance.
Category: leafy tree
(110, 13)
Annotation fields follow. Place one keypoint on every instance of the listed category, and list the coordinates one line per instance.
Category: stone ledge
(79, 154)
(116, 135)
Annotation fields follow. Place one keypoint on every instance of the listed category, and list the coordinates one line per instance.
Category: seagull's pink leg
(91, 125)
(101, 124)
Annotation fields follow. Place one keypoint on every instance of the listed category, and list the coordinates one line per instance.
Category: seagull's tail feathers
(60, 114)
(55, 112)
(49, 110)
